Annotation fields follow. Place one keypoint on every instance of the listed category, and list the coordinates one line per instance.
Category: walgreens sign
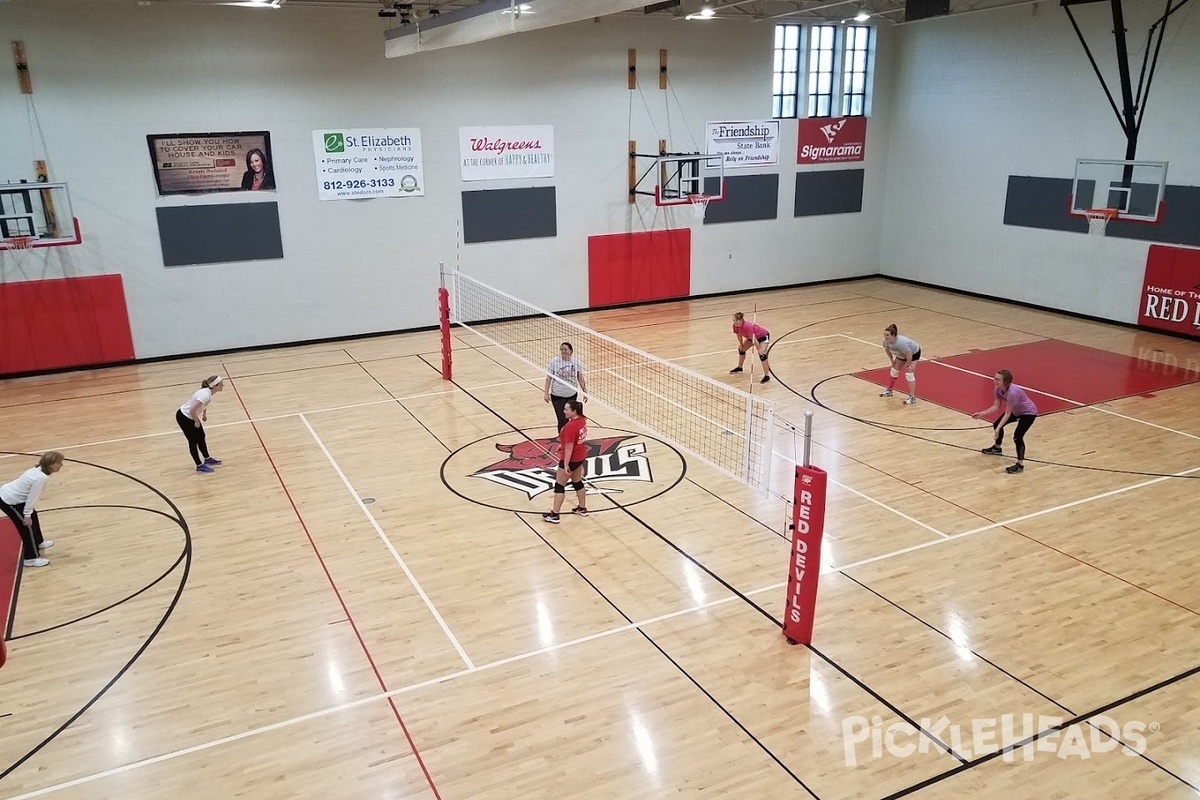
(505, 153)
(827, 141)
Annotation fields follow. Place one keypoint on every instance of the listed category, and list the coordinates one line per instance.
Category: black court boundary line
(168, 612)
(674, 663)
(885, 427)
(686, 674)
(6, 634)
(123, 600)
(1022, 682)
(1022, 304)
(1081, 718)
(845, 673)
(734, 293)
(392, 395)
(1076, 405)
(354, 337)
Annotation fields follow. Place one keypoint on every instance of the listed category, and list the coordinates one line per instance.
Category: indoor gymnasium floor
(363, 602)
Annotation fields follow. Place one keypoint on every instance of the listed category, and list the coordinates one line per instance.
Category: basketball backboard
(1135, 189)
(38, 211)
(682, 176)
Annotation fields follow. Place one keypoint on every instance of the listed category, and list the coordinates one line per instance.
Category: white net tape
(725, 427)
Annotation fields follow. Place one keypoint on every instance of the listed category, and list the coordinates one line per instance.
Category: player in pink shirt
(751, 335)
(1018, 406)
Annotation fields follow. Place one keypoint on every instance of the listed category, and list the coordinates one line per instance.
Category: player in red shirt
(572, 448)
(751, 335)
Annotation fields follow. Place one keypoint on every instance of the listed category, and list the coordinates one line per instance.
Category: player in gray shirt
(902, 352)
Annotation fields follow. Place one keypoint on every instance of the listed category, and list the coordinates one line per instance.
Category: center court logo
(863, 738)
(531, 464)
(515, 472)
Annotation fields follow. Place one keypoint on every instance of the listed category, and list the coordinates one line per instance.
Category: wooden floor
(261, 633)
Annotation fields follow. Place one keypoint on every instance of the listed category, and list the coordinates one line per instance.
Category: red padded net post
(444, 321)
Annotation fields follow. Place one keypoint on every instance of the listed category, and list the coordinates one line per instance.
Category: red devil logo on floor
(531, 464)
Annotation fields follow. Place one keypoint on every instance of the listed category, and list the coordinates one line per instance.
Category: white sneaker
(37, 562)
(46, 545)
(886, 393)
(910, 401)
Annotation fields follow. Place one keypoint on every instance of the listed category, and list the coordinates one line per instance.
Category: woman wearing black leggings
(1018, 406)
(191, 417)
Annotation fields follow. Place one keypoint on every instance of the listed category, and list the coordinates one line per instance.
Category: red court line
(349, 617)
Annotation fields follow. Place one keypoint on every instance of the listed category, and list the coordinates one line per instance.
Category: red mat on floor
(10, 571)
(1057, 375)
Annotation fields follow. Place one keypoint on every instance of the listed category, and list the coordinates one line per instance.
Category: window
(786, 78)
(854, 71)
(820, 71)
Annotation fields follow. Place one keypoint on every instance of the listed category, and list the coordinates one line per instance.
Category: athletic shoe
(580, 510)
(212, 461)
(1014, 469)
(765, 379)
(910, 401)
(550, 517)
(204, 468)
(37, 562)
(46, 545)
(886, 393)
(994, 450)
(735, 370)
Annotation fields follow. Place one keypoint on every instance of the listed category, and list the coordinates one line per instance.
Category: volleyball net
(725, 427)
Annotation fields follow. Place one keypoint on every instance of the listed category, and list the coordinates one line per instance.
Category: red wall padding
(63, 322)
(631, 267)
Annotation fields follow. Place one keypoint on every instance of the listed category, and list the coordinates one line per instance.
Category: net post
(768, 454)
(808, 420)
(808, 529)
(748, 447)
(444, 322)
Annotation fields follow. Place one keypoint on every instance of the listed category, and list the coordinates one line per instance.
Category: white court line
(391, 548)
(1007, 522)
(267, 419)
(773, 346)
(885, 506)
(1081, 405)
(864, 341)
(378, 697)
(1093, 407)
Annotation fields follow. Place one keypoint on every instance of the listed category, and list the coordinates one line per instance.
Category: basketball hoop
(1098, 219)
(699, 204)
(19, 243)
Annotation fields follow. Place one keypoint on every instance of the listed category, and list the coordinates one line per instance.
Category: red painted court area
(1057, 375)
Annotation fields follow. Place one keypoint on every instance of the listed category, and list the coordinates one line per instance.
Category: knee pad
(577, 485)
(741, 352)
(560, 488)
(762, 356)
(895, 373)
(912, 376)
